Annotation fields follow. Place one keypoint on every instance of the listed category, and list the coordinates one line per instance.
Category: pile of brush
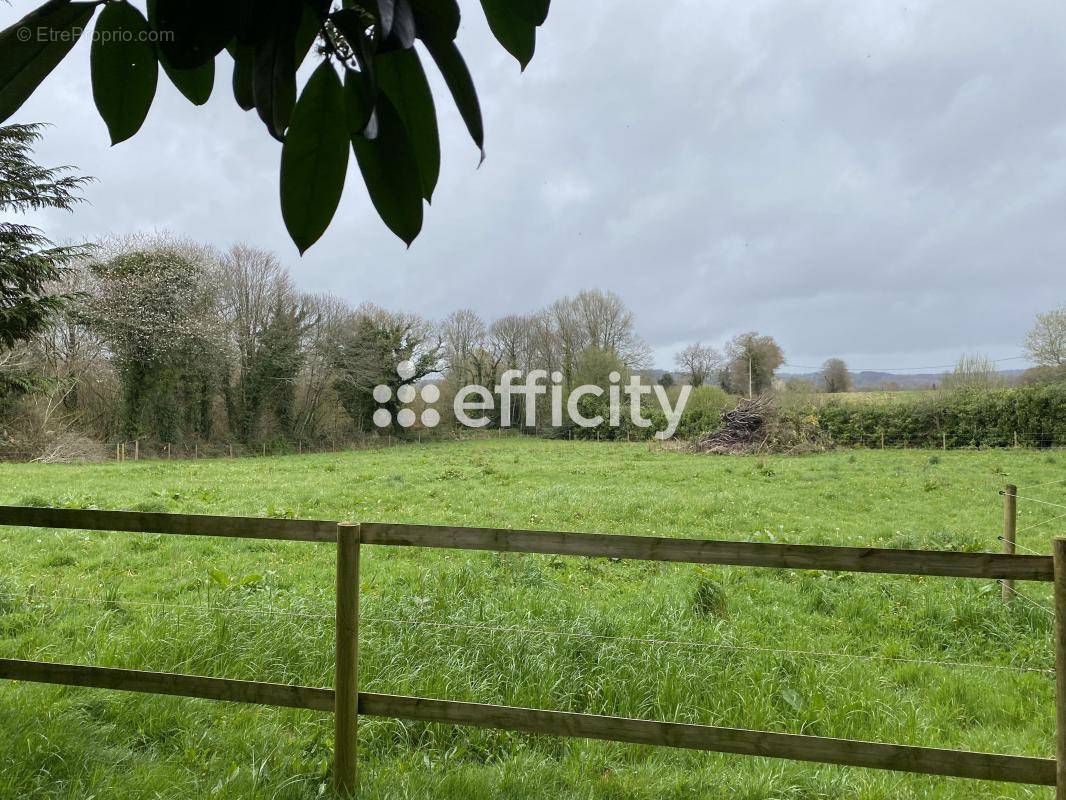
(745, 429)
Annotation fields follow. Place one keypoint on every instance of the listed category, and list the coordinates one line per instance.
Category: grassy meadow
(804, 652)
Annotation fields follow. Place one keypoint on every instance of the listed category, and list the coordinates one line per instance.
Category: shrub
(709, 598)
(964, 418)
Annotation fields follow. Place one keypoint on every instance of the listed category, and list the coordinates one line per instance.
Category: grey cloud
(871, 180)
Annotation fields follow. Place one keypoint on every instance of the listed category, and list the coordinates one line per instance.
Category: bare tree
(609, 325)
(465, 340)
(266, 319)
(699, 362)
(835, 376)
(753, 359)
(512, 338)
(1046, 342)
(972, 372)
(317, 410)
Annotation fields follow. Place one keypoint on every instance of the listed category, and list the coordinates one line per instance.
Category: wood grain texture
(296, 530)
(132, 680)
(346, 681)
(903, 758)
(649, 548)
(707, 551)
(1010, 526)
(1058, 549)
(847, 752)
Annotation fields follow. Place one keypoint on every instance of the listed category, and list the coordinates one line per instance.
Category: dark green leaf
(194, 31)
(517, 35)
(251, 25)
(306, 33)
(535, 12)
(196, 84)
(361, 88)
(390, 171)
(53, 29)
(124, 69)
(457, 76)
(436, 19)
(359, 100)
(382, 11)
(315, 158)
(243, 74)
(274, 83)
(402, 34)
(401, 77)
(352, 26)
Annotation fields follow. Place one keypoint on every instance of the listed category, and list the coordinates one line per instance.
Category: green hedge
(1036, 415)
(702, 413)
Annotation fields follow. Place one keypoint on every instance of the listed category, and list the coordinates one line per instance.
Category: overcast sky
(880, 181)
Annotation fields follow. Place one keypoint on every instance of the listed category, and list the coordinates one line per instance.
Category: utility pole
(749, 378)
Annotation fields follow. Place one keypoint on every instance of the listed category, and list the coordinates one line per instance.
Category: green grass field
(733, 646)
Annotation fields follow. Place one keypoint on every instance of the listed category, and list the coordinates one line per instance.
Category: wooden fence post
(136, 449)
(346, 682)
(1010, 525)
(1058, 549)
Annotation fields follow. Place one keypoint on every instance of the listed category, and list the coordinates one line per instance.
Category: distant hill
(862, 380)
(885, 380)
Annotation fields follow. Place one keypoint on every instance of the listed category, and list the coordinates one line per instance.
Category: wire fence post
(1010, 526)
(1058, 549)
(346, 681)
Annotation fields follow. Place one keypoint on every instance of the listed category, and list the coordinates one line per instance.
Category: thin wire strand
(566, 634)
(719, 646)
(1029, 600)
(183, 606)
(1048, 483)
(1026, 549)
(1037, 525)
(1042, 502)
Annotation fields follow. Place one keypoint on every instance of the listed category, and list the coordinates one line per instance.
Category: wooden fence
(347, 702)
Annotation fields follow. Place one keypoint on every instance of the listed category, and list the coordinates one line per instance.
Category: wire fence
(513, 630)
(143, 450)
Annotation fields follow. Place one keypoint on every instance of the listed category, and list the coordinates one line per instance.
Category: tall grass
(725, 646)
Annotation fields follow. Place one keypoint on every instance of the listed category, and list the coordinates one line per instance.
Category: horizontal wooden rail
(707, 551)
(993, 566)
(296, 530)
(819, 749)
(135, 680)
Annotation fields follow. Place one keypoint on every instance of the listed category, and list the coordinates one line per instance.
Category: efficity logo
(535, 383)
(406, 394)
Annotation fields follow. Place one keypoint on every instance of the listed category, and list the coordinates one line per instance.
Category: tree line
(164, 340)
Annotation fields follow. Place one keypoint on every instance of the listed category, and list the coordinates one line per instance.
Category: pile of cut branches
(745, 429)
